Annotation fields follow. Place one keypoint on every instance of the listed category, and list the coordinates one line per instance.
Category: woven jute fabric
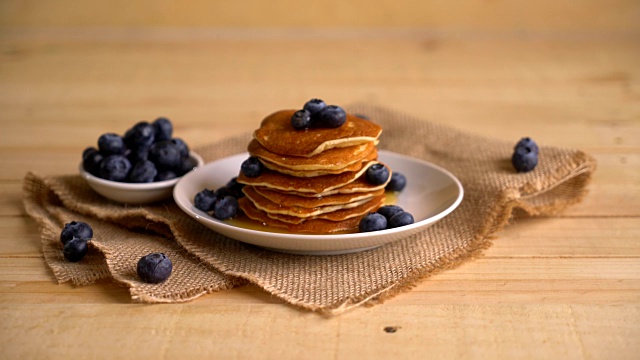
(205, 261)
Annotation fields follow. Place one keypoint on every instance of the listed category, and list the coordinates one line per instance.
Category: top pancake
(278, 136)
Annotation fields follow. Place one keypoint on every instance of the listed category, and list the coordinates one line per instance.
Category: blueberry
(187, 165)
(110, 144)
(182, 146)
(76, 229)
(165, 154)
(373, 222)
(138, 153)
(166, 175)
(235, 188)
(225, 208)
(389, 210)
(528, 142)
(377, 174)
(115, 168)
(400, 219)
(154, 268)
(75, 249)
(205, 199)
(91, 160)
(143, 172)
(314, 106)
(163, 128)
(332, 116)
(301, 120)
(524, 159)
(397, 182)
(141, 133)
(252, 167)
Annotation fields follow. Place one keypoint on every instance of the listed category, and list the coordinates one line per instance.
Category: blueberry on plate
(524, 159)
(528, 142)
(377, 174)
(301, 120)
(225, 208)
(111, 144)
(163, 128)
(372, 222)
(235, 188)
(75, 249)
(332, 116)
(91, 160)
(205, 199)
(389, 210)
(143, 172)
(165, 154)
(115, 168)
(141, 133)
(314, 106)
(397, 182)
(154, 268)
(252, 167)
(400, 219)
(76, 230)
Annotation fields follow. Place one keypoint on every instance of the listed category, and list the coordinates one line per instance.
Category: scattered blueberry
(332, 116)
(225, 208)
(397, 182)
(377, 174)
(165, 154)
(75, 249)
(115, 168)
(205, 199)
(528, 142)
(301, 120)
(77, 230)
(166, 175)
(143, 172)
(389, 210)
(252, 167)
(402, 218)
(163, 128)
(110, 144)
(314, 106)
(524, 159)
(373, 222)
(154, 268)
(91, 160)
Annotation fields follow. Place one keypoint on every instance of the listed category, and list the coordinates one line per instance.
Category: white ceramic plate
(431, 194)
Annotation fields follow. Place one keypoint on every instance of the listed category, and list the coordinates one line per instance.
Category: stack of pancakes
(313, 180)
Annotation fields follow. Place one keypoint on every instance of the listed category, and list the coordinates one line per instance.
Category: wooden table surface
(565, 287)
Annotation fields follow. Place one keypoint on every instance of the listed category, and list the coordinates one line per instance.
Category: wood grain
(561, 287)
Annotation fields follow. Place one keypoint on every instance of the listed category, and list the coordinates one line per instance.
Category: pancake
(278, 136)
(313, 226)
(332, 159)
(315, 201)
(315, 185)
(312, 173)
(271, 207)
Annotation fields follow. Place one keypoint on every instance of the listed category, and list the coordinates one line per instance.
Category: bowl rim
(137, 186)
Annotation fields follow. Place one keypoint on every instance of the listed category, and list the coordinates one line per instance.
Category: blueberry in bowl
(140, 167)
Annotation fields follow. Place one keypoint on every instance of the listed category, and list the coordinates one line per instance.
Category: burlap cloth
(206, 262)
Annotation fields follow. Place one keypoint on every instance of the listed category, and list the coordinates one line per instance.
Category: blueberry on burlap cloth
(205, 262)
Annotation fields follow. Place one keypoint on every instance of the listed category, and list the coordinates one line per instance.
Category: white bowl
(130, 193)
